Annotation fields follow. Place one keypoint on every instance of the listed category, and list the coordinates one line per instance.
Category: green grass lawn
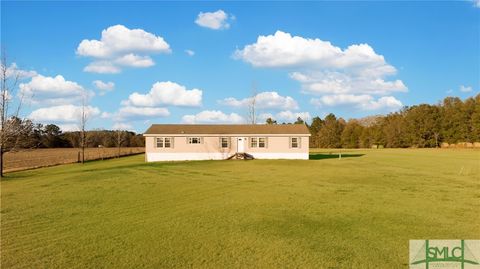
(357, 212)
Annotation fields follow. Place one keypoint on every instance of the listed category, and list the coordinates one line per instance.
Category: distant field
(26, 159)
(357, 212)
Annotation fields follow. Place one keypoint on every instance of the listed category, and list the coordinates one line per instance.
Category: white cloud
(363, 102)
(190, 52)
(264, 100)
(120, 46)
(102, 67)
(104, 86)
(114, 66)
(465, 88)
(68, 127)
(290, 116)
(139, 113)
(52, 90)
(62, 113)
(213, 116)
(106, 115)
(284, 116)
(284, 50)
(119, 40)
(13, 71)
(134, 60)
(476, 3)
(214, 20)
(324, 69)
(343, 83)
(166, 93)
(122, 126)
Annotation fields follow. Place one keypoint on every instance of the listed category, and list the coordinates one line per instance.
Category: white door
(241, 144)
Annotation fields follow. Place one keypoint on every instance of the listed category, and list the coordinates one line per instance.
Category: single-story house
(172, 142)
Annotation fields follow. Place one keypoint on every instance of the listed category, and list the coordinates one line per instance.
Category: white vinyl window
(258, 142)
(262, 142)
(224, 142)
(167, 142)
(164, 142)
(294, 142)
(195, 140)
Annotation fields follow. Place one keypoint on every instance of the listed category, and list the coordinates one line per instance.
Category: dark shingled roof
(228, 129)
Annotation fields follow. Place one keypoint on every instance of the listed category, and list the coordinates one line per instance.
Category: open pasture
(355, 212)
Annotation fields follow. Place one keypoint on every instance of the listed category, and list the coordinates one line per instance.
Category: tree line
(31, 135)
(423, 126)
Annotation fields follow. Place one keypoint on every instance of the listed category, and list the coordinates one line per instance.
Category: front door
(241, 144)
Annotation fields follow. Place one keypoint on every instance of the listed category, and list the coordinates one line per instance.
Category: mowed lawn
(357, 212)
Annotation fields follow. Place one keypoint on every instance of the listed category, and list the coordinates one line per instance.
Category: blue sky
(303, 58)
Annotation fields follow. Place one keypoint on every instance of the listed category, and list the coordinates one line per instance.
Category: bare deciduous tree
(119, 140)
(252, 113)
(83, 124)
(10, 130)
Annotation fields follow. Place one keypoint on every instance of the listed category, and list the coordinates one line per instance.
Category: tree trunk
(1, 162)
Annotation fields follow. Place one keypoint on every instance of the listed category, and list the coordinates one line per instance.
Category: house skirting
(156, 157)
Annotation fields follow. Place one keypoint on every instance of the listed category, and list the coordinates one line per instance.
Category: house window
(294, 142)
(194, 140)
(159, 142)
(262, 142)
(164, 142)
(224, 142)
(167, 142)
(253, 142)
(258, 142)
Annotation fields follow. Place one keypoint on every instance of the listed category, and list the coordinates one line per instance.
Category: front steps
(241, 156)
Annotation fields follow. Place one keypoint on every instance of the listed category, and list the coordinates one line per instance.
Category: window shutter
(290, 142)
(299, 142)
(172, 139)
(266, 142)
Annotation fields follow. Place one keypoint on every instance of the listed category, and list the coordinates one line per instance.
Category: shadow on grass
(322, 156)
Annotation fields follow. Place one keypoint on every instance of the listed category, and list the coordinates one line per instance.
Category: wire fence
(36, 158)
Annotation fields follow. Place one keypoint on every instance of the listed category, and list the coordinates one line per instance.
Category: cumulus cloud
(465, 88)
(285, 116)
(331, 82)
(190, 52)
(62, 113)
(283, 50)
(120, 47)
(134, 60)
(290, 116)
(53, 90)
(119, 40)
(213, 116)
(263, 100)
(363, 102)
(122, 126)
(14, 71)
(214, 20)
(140, 113)
(166, 93)
(324, 69)
(68, 127)
(104, 86)
(102, 67)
